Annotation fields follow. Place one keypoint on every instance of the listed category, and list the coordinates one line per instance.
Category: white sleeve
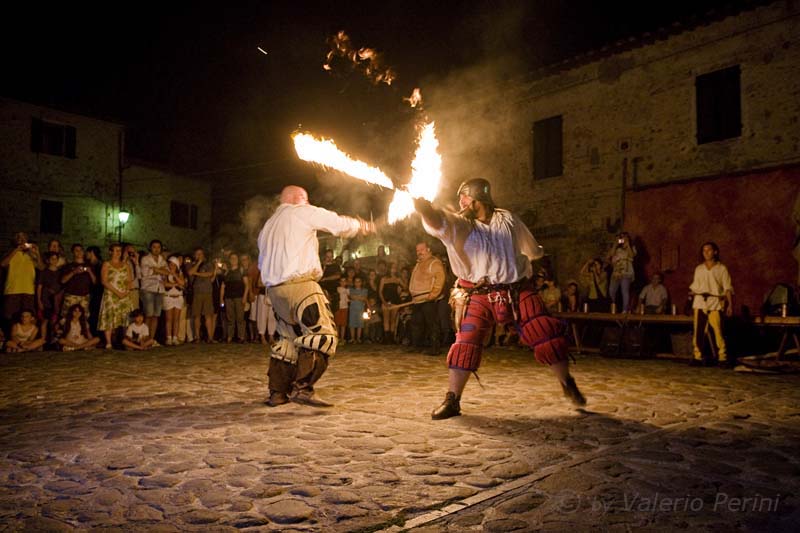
(331, 222)
(727, 284)
(695, 286)
(452, 226)
(525, 240)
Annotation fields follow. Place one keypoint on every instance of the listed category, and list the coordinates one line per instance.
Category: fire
(369, 61)
(415, 99)
(326, 153)
(426, 174)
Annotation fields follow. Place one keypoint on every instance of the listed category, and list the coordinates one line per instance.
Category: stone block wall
(147, 194)
(629, 121)
(86, 185)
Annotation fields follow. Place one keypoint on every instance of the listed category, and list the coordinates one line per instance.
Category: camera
(27, 246)
(620, 241)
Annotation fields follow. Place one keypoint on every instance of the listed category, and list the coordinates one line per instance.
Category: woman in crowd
(405, 278)
(75, 331)
(173, 299)
(95, 261)
(372, 284)
(595, 281)
(232, 291)
(548, 290)
(116, 277)
(132, 257)
(54, 246)
(621, 258)
(188, 318)
(24, 334)
(389, 292)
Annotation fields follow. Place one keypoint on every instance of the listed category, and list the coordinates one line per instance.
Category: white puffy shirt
(715, 280)
(500, 251)
(288, 247)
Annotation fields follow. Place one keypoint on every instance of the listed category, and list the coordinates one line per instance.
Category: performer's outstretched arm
(433, 217)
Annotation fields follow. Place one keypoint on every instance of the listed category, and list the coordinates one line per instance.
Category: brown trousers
(288, 378)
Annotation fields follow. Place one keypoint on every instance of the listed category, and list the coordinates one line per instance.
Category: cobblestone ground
(178, 439)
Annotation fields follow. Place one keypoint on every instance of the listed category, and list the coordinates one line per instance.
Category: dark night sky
(196, 94)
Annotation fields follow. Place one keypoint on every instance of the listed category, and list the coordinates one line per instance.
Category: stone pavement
(178, 439)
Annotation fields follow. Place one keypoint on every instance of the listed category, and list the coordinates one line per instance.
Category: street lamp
(123, 218)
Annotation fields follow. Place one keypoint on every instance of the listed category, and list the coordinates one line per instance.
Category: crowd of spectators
(133, 299)
(140, 299)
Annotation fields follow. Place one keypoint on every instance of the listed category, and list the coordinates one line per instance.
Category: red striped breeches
(536, 328)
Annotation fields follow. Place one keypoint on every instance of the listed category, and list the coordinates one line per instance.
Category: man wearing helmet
(490, 251)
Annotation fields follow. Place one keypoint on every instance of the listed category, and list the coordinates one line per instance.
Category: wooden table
(622, 320)
(790, 324)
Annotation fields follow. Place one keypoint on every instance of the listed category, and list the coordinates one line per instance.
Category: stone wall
(628, 122)
(86, 185)
(147, 194)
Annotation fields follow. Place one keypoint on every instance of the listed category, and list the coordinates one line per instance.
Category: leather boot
(277, 398)
(450, 407)
(571, 391)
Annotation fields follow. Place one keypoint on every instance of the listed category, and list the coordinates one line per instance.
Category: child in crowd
(137, 336)
(75, 334)
(358, 301)
(340, 317)
(24, 334)
(374, 323)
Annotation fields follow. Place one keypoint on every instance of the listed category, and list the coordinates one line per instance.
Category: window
(719, 105)
(547, 148)
(183, 215)
(53, 139)
(51, 217)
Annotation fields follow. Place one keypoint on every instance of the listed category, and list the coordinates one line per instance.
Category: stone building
(163, 205)
(61, 175)
(59, 172)
(687, 135)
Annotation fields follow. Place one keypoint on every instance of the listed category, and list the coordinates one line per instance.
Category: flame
(426, 174)
(401, 207)
(325, 152)
(415, 99)
(368, 60)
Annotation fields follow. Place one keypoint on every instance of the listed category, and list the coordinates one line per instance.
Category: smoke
(365, 60)
(473, 106)
(255, 213)
(474, 116)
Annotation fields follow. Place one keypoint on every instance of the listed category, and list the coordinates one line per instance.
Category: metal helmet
(479, 189)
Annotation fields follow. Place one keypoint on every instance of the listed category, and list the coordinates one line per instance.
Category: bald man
(290, 269)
